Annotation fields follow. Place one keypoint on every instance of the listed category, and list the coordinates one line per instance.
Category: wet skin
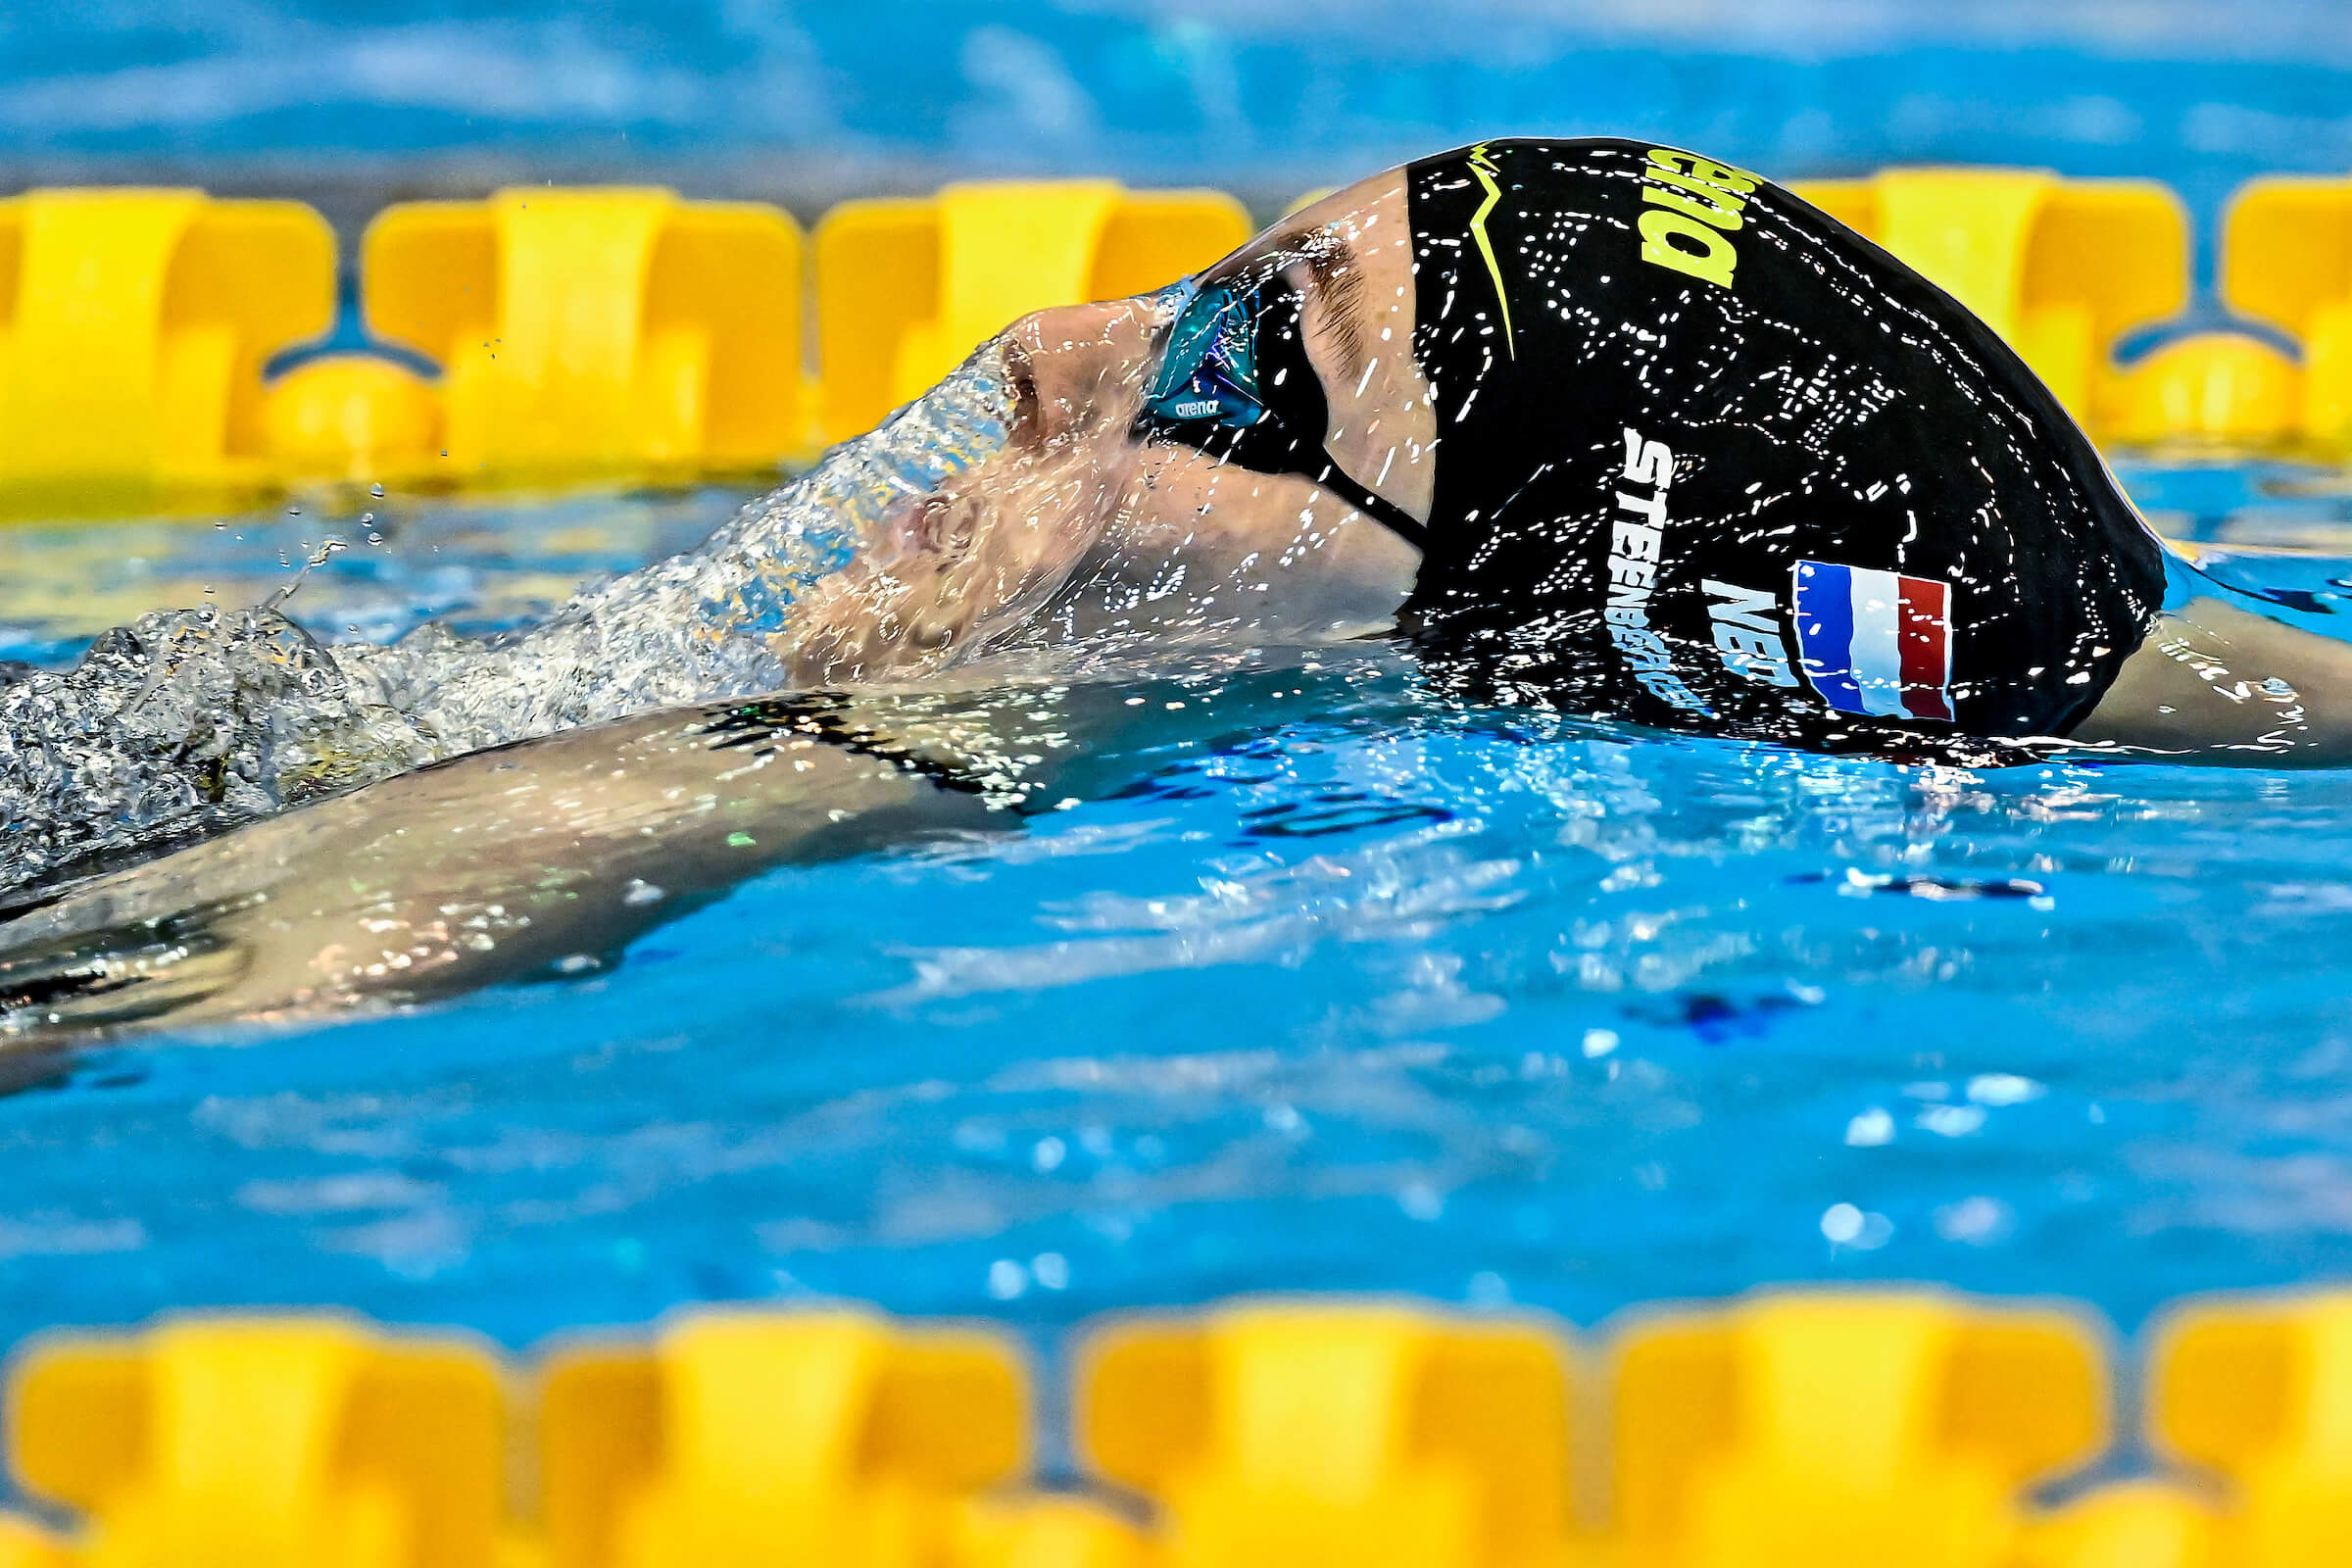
(499, 866)
(550, 857)
(1081, 540)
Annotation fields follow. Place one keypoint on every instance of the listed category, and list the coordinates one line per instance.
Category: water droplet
(2003, 1089)
(377, 490)
(1488, 1288)
(1845, 1225)
(1976, 1221)
(1951, 1121)
(1871, 1129)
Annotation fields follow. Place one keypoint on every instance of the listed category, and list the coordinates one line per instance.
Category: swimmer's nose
(1077, 366)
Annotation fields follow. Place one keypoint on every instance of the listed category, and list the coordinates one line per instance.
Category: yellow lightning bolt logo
(1486, 169)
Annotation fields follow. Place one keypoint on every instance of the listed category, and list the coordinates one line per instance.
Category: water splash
(192, 720)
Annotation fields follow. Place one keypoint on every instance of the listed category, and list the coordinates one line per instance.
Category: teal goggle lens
(1210, 373)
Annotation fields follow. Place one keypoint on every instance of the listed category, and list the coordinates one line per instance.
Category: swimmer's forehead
(1314, 252)
(1324, 251)
(1319, 243)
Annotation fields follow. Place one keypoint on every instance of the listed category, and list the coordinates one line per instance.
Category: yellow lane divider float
(262, 1444)
(575, 331)
(905, 287)
(2287, 263)
(1859, 1429)
(1785, 1430)
(2261, 1395)
(829, 1438)
(133, 327)
(1313, 1435)
(570, 331)
(2286, 259)
(627, 330)
(585, 329)
(2062, 268)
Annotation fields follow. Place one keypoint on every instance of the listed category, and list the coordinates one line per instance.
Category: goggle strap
(1379, 509)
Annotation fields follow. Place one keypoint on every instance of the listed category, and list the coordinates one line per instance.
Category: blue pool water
(1388, 997)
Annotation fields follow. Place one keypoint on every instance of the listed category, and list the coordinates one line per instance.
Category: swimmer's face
(1095, 522)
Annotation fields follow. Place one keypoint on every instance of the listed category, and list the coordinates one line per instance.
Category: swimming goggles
(1234, 382)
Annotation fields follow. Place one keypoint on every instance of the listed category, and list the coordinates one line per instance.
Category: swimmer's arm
(492, 867)
(2230, 685)
(510, 863)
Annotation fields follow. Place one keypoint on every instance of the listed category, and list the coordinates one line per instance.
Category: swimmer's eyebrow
(1338, 275)
(1335, 278)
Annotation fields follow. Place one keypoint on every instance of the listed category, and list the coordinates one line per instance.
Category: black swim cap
(1708, 458)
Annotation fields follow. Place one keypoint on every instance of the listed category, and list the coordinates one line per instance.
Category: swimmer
(1602, 427)
(1597, 426)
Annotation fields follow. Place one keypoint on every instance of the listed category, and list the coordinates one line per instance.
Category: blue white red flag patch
(1875, 642)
